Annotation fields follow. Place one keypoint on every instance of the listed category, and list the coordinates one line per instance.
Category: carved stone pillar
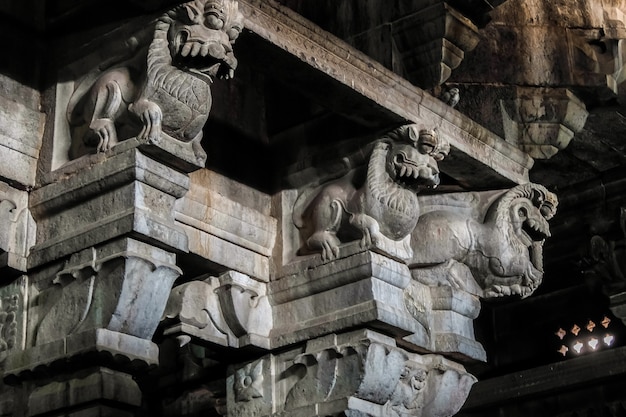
(126, 135)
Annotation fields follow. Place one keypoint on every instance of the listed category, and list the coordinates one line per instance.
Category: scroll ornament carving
(503, 254)
(377, 203)
(163, 87)
(219, 309)
(124, 293)
(392, 382)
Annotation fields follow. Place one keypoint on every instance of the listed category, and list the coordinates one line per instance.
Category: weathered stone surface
(228, 223)
(21, 135)
(357, 373)
(17, 230)
(110, 196)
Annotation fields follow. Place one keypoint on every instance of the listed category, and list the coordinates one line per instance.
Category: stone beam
(338, 76)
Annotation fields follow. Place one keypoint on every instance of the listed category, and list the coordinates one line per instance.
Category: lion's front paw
(327, 242)
(150, 115)
(102, 135)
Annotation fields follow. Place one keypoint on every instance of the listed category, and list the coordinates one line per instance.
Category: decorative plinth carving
(119, 194)
(360, 288)
(542, 121)
(358, 374)
(229, 310)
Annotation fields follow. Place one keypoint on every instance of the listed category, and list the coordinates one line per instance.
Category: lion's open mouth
(413, 176)
(535, 230)
(200, 57)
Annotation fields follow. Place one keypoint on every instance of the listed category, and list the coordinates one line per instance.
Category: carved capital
(121, 287)
(542, 121)
(358, 373)
(229, 310)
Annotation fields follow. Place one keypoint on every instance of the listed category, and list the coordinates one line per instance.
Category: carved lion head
(413, 156)
(201, 36)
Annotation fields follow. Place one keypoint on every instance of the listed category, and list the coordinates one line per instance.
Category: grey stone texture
(217, 207)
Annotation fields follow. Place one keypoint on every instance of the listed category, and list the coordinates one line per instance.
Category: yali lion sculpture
(376, 203)
(502, 252)
(163, 86)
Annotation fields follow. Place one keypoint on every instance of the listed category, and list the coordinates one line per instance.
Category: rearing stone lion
(376, 203)
(503, 253)
(163, 86)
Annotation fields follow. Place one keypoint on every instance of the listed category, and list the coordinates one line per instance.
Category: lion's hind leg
(106, 101)
(326, 239)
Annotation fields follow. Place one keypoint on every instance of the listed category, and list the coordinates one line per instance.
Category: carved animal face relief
(201, 38)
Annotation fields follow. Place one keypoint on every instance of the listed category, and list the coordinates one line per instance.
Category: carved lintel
(542, 121)
(122, 287)
(433, 42)
(229, 310)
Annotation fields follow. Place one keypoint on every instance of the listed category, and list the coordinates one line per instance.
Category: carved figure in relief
(378, 202)
(164, 86)
(503, 253)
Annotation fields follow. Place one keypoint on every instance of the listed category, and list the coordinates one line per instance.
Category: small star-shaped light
(575, 330)
(593, 343)
(563, 350)
(590, 326)
(560, 333)
(608, 339)
(578, 346)
(605, 322)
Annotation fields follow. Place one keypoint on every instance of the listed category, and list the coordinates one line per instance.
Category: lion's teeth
(205, 49)
(186, 49)
(409, 171)
(195, 49)
(402, 170)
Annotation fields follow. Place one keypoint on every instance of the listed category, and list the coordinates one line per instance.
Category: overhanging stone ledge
(479, 156)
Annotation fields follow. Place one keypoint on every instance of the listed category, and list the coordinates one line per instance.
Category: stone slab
(358, 82)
